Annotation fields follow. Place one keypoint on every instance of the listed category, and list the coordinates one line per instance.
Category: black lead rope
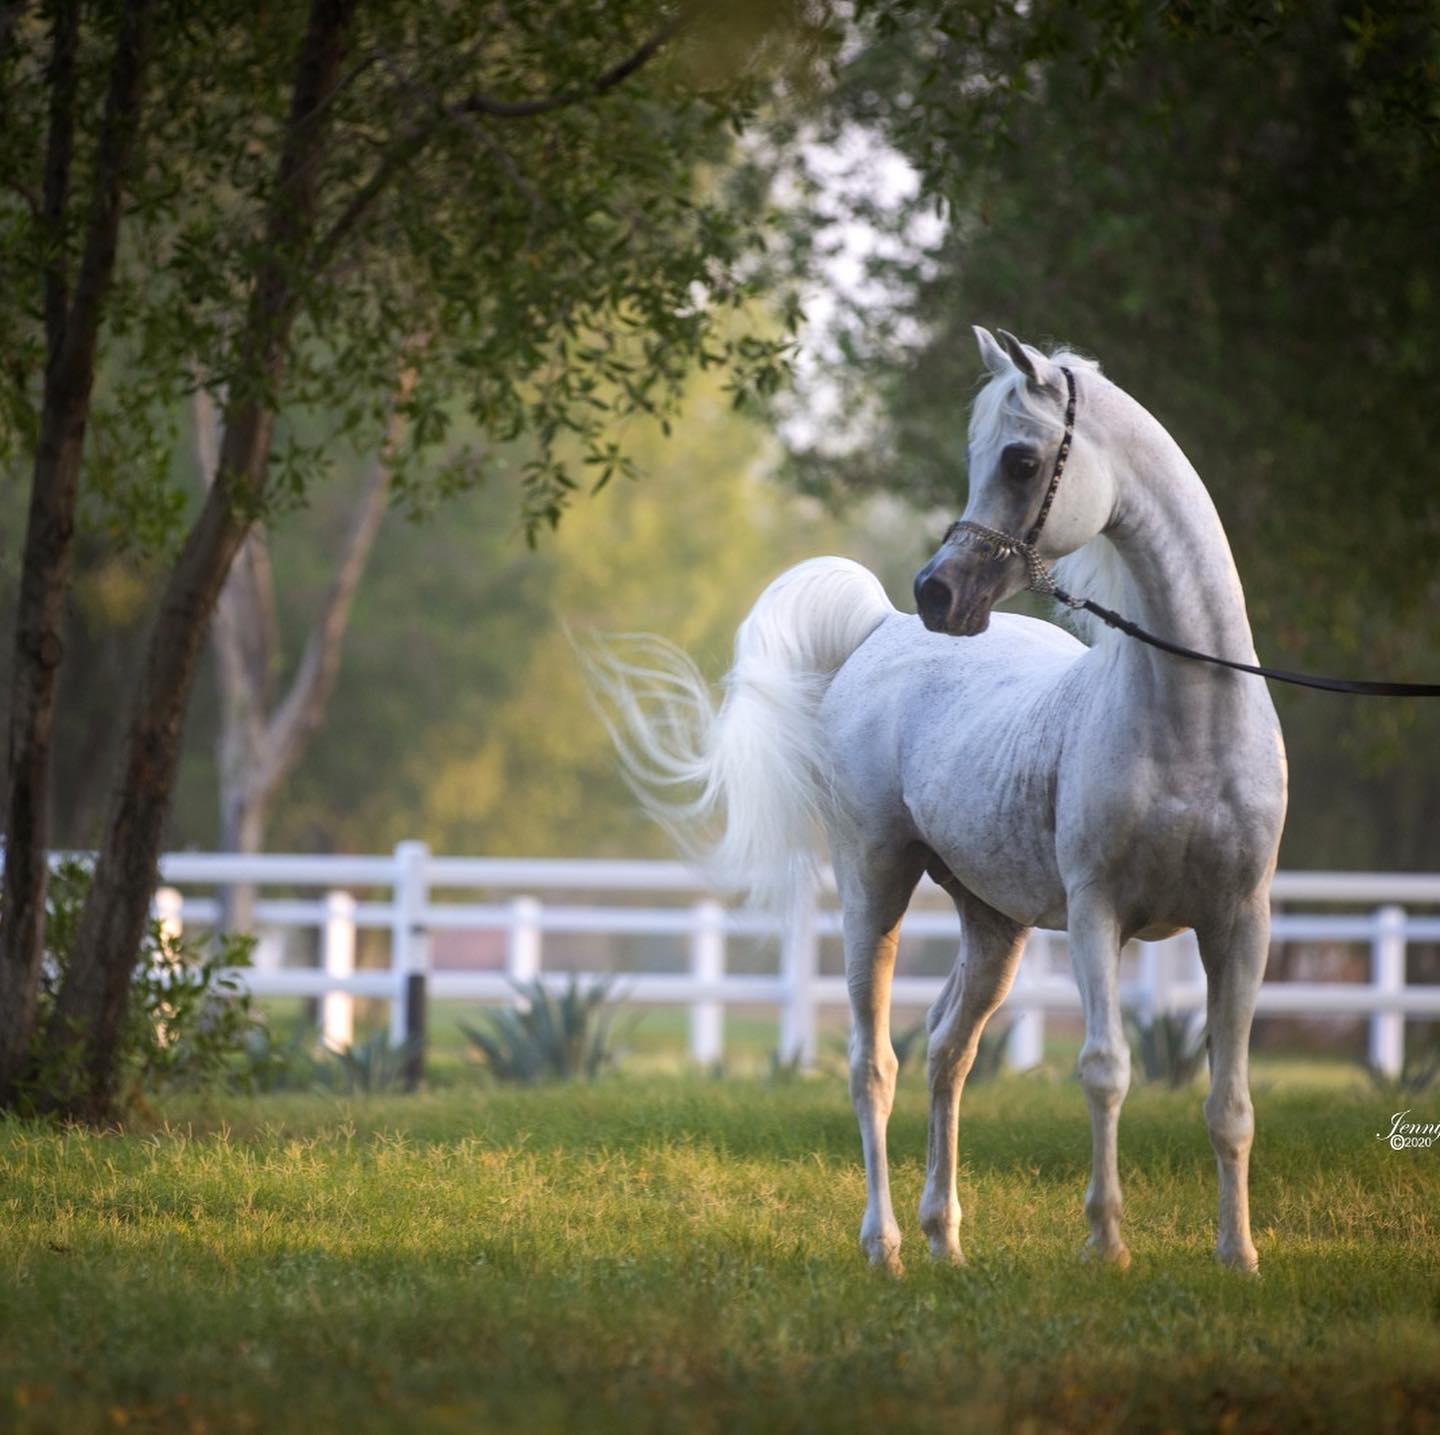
(1002, 545)
(1361, 686)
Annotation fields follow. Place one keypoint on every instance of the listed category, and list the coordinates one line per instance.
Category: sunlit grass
(681, 1254)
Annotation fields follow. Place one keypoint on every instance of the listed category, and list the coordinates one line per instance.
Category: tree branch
(417, 138)
(304, 704)
(59, 152)
(481, 104)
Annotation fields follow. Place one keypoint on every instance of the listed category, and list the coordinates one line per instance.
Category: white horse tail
(755, 767)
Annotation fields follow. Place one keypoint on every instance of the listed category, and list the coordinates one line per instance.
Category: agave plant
(1420, 1072)
(548, 1037)
(374, 1064)
(1169, 1047)
(786, 1069)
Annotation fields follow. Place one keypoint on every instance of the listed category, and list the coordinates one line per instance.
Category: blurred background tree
(523, 207)
(458, 710)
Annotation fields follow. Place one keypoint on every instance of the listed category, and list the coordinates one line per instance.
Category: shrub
(189, 1016)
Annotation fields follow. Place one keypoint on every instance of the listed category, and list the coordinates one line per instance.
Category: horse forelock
(1007, 400)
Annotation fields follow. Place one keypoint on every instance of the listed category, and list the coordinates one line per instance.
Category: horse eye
(1020, 463)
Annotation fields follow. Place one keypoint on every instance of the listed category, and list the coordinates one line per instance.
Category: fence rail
(529, 900)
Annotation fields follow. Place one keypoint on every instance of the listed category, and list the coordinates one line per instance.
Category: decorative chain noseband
(1002, 545)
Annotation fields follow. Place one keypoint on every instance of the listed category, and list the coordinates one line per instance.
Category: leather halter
(1002, 545)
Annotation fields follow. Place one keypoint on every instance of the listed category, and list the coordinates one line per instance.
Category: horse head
(1023, 440)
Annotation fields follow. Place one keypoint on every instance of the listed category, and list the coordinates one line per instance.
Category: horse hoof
(944, 1255)
(886, 1260)
(1243, 1263)
(1117, 1257)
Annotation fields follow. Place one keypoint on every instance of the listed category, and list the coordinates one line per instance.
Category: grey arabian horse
(1110, 790)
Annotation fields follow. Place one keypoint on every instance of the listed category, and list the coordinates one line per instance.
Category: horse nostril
(933, 598)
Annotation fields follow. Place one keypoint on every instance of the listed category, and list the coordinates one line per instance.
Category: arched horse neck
(1167, 538)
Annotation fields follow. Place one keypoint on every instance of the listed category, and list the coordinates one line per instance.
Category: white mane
(1007, 404)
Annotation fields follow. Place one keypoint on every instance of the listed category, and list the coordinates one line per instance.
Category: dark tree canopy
(527, 201)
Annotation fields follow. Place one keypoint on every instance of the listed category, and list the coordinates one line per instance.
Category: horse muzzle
(952, 597)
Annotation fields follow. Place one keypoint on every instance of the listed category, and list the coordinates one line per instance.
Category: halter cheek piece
(1002, 545)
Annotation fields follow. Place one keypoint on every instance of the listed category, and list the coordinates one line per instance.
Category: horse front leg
(1104, 1069)
(990, 950)
(1234, 953)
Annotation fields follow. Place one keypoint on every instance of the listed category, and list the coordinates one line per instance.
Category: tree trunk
(91, 1006)
(246, 639)
(242, 829)
(242, 817)
(72, 337)
(260, 742)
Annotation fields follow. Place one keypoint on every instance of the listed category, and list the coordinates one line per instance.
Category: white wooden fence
(414, 894)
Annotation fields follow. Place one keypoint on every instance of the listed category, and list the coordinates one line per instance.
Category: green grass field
(662, 1254)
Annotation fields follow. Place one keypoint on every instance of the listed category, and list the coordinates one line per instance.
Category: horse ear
(1031, 362)
(991, 354)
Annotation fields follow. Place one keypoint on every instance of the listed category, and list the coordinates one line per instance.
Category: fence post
(1387, 978)
(799, 965)
(337, 956)
(523, 955)
(1025, 1045)
(409, 942)
(268, 954)
(707, 964)
(417, 1023)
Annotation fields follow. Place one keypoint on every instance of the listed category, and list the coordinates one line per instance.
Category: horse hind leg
(1234, 956)
(1104, 1069)
(990, 949)
(874, 892)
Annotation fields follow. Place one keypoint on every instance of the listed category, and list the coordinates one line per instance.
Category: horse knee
(1231, 1120)
(872, 1074)
(1105, 1071)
